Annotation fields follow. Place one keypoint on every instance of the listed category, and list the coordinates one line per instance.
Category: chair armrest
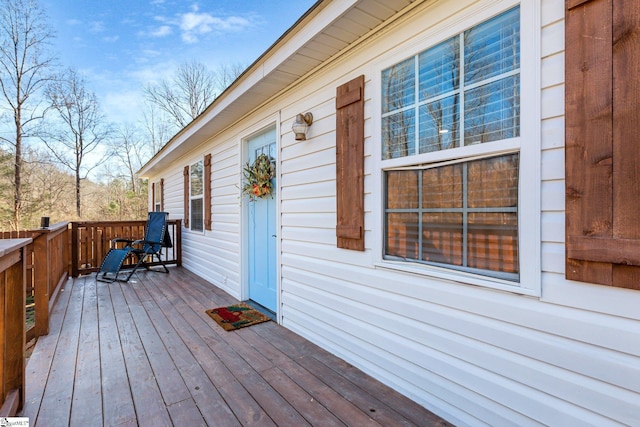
(120, 239)
(114, 242)
(144, 242)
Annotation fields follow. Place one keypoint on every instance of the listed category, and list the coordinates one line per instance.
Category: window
(450, 130)
(157, 196)
(196, 196)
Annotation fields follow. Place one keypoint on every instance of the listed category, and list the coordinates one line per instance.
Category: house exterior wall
(565, 354)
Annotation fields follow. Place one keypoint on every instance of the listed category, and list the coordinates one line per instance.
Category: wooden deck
(146, 353)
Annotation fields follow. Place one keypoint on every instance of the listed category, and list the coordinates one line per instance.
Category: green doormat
(236, 316)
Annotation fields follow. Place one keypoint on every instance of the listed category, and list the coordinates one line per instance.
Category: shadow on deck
(146, 353)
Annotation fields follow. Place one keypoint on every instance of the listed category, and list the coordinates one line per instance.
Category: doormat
(236, 316)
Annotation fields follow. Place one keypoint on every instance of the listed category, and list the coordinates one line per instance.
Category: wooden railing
(47, 266)
(91, 240)
(35, 264)
(13, 262)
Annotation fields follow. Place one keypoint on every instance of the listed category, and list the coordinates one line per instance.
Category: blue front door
(261, 229)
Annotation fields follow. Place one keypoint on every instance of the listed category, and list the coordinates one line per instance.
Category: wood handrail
(47, 266)
(91, 240)
(12, 326)
(51, 267)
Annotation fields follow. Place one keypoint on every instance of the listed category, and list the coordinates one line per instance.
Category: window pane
(398, 86)
(439, 69)
(156, 193)
(197, 215)
(493, 241)
(442, 238)
(492, 48)
(493, 183)
(488, 96)
(196, 179)
(492, 111)
(402, 188)
(398, 135)
(402, 235)
(466, 217)
(439, 124)
(442, 187)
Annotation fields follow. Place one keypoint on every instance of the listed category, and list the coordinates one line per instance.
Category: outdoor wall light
(301, 124)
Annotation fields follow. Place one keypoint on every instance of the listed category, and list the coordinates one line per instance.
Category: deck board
(147, 398)
(169, 381)
(177, 335)
(118, 408)
(145, 353)
(87, 393)
(56, 401)
(42, 355)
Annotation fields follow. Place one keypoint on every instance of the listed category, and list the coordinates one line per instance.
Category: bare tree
(24, 70)
(79, 127)
(156, 130)
(47, 189)
(187, 94)
(226, 74)
(174, 103)
(130, 151)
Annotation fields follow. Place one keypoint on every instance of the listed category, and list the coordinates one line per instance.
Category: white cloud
(151, 52)
(96, 27)
(194, 24)
(153, 73)
(111, 39)
(161, 31)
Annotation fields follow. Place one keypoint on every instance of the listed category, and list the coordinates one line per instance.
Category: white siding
(473, 355)
(212, 254)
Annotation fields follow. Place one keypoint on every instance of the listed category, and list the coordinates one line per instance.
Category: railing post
(74, 249)
(178, 243)
(42, 282)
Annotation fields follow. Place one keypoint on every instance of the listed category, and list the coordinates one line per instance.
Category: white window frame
(196, 197)
(527, 144)
(157, 196)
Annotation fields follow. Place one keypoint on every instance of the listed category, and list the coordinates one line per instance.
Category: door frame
(243, 155)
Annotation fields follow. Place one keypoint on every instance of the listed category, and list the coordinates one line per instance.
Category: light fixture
(300, 125)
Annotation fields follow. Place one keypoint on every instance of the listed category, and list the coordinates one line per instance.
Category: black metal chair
(155, 238)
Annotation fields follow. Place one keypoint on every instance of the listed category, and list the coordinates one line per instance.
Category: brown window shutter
(207, 192)
(153, 196)
(350, 164)
(162, 194)
(186, 196)
(602, 162)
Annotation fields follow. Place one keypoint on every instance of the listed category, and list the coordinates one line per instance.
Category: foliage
(258, 176)
(49, 191)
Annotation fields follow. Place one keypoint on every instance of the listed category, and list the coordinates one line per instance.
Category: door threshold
(262, 309)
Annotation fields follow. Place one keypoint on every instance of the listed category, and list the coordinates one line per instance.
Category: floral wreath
(258, 176)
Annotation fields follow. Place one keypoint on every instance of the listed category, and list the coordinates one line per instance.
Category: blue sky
(120, 46)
